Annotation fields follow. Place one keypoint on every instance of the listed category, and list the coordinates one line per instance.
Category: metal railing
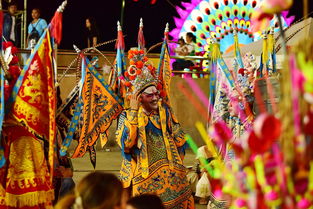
(112, 55)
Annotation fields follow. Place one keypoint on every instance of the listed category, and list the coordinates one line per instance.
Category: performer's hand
(134, 103)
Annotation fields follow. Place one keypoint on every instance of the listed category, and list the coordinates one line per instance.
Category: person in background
(63, 174)
(92, 32)
(67, 182)
(10, 24)
(185, 49)
(193, 174)
(191, 43)
(209, 189)
(97, 190)
(203, 188)
(145, 201)
(35, 28)
(181, 49)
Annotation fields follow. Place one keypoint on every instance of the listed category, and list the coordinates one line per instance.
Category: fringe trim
(29, 198)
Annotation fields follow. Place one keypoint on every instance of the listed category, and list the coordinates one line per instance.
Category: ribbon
(163, 120)
(142, 143)
(226, 71)
(74, 122)
(2, 159)
(237, 50)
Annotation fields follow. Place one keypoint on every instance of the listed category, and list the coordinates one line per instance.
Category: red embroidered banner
(35, 103)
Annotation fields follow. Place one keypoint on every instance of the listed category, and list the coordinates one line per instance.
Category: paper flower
(261, 18)
(275, 6)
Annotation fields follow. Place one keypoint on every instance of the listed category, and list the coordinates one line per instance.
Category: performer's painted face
(149, 98)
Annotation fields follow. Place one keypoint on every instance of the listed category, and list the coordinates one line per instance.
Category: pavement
(109, 160)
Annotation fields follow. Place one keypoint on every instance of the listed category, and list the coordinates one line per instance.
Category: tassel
(215, 51)
(270, 42)
(141, 38)
(1, 22)
(237, 50)
(120, 39)
(236, 42)
(29, 199)
(264, 50)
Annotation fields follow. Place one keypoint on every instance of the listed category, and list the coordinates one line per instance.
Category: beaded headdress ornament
(140, 73)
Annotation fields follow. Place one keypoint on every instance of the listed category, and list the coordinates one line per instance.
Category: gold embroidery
(27, 170)
(132, 116)
(23, 108)
(30, 199)
(27, 163)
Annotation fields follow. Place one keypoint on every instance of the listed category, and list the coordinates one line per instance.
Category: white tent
(294, 34)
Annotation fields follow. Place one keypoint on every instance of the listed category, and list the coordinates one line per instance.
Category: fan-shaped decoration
(217, 19)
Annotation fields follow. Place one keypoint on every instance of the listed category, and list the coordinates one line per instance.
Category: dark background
(108, 12)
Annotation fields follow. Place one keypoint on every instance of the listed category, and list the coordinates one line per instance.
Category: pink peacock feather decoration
(216, 19)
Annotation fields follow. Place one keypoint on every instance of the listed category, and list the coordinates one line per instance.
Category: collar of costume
(142, 140)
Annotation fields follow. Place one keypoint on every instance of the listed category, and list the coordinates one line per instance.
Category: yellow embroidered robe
(25, 178)
(153, 148)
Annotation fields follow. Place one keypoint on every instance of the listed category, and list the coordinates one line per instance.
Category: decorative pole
(282, 33)
(23, 43)
(122, 13)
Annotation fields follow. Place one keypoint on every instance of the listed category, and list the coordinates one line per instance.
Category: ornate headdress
(140, 73)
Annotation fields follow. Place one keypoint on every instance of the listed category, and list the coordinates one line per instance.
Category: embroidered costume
(151, 164)
(152, 143)
(26, 180)
(28, 134)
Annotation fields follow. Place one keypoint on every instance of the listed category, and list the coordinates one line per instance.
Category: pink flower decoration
(260, 20)
(261, 17)
(275, 6)
(303, 204)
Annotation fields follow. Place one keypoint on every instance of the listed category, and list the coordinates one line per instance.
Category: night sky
(108, 12)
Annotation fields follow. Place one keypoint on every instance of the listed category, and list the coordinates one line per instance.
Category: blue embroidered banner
(226, 71)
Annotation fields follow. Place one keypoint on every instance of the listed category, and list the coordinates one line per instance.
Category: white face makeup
(150, 90)
(149, 98)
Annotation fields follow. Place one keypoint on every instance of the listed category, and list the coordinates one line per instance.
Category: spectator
(35, 28)
(185, 50)
(95, 191)
(181, 49)
(92, 32)
(191, 43)
(208, 189)
(10, 24)
(67, 183)
(145, 201)
(193, 174)
(63, 169)
(203, 188)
